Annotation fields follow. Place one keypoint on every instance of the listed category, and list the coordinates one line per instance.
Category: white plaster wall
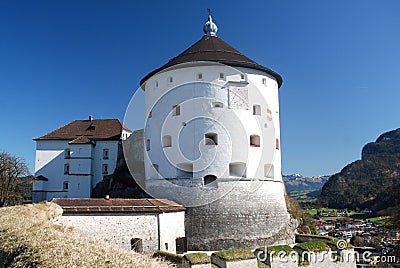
(85, 167)
(79, 186)
(172, 226)
(234, 130)
(98, 161)
(49, 162)
(118, 230)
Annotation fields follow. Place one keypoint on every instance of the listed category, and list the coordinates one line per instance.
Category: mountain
(372, 182)
(297, 182)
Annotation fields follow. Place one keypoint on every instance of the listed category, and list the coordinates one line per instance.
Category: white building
(143, 225)
(212, 144)
(71, 160)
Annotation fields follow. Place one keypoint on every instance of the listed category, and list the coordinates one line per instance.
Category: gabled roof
(212, 48)
(85, 131)
(116, 205)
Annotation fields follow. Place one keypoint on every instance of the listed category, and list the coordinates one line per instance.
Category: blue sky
(340, 61)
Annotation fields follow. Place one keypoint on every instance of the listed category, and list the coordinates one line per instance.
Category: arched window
(199, 76)
(167, 141)
(277, 144)
(210, 181)
(217, 104)
(269, 171)
(148, 145)
(170, 79)
(255, 141)
(211, 139)
(237, 170)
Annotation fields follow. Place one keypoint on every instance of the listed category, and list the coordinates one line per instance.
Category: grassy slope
(28, 239)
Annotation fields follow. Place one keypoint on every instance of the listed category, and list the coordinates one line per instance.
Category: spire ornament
(210, 28)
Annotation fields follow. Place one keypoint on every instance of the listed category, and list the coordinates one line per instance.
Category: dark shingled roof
(212, 48)
(85, 131)
(116, 205)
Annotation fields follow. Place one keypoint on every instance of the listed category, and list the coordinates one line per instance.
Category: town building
(71, 160)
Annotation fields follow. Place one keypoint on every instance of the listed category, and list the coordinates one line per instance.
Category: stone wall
(120, 229)
(241, 218)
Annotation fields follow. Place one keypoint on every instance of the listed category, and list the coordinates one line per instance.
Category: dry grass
(28, 239)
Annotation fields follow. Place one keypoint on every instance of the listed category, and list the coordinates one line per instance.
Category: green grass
(313, 246)
(277, 249)
(175, 258)
(235, 254)
(302, 195)
(197, 258)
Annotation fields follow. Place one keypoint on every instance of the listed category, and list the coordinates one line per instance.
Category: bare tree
(12, 168)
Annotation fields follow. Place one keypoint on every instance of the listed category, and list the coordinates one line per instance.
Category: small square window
(66, 169)
(211, 139)
(256, 109)
(156, 83)
(65, 185)
(200, 76)
(148, 145)
(264, 81)
(176, 110)
(170, 79)
(221, 76)
(242, 76)
(105, 153)
(105, 169)
(67, 153)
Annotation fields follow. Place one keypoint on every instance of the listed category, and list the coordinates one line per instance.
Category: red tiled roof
(87, 130)
(212, 48)
(116, 205)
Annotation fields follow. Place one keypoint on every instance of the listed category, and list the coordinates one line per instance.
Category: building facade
(142, 225)
(71, 160)
(212, 144)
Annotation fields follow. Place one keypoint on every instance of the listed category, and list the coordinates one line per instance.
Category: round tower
(212, 144)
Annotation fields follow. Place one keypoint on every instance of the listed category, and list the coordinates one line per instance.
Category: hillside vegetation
(372, 182)
(29, 239)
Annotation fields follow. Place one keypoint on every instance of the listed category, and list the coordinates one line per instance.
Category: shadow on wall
(121, 184)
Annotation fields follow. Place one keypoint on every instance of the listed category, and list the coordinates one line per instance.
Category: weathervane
(210, 28)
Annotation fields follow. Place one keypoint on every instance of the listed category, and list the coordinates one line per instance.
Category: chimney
(90, 117)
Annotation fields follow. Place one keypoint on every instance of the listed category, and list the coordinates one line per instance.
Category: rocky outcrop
(372, 182)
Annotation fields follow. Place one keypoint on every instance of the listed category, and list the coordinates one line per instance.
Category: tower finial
(210, 28)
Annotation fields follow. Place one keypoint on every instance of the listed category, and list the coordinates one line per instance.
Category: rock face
(121, 184)
(372, 182)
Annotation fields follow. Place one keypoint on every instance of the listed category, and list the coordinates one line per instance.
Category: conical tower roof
(214, 49)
